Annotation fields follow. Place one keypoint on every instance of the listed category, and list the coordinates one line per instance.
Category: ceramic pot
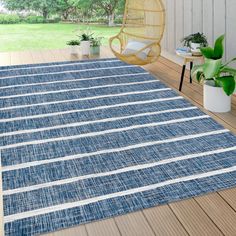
(85, 48)
(74, 49)
(215, 99)
(95, 50)
(195, 49)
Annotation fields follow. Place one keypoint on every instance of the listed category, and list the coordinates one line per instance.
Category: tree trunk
(111, 18)
(45, 14)
(65, 15)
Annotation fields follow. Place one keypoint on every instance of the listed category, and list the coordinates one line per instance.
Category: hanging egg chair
(139, 38)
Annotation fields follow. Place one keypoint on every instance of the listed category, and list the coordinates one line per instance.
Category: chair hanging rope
(143, 26)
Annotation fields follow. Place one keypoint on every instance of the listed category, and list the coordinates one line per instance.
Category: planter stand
(191, 60)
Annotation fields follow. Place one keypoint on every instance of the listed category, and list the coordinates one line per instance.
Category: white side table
(191, 60)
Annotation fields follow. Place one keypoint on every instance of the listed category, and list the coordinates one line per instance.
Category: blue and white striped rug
(83, 141)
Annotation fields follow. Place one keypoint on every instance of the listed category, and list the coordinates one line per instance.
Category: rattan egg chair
(142, 29)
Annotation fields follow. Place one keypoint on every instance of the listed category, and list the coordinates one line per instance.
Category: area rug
(84, 141)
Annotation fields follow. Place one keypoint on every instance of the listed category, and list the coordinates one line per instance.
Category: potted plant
(95, 45)
(74, 45)
(218, 77)
(195, 42)
(85, 43)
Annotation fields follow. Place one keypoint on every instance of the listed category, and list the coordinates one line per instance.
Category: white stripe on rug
(112, 150)
(77, 89)
(85, 99)
(104, 132)
(117, 171)
(58, 65)
(73, 80)
(60, 207)
(65, 72)
(91, 109)
(77, 124)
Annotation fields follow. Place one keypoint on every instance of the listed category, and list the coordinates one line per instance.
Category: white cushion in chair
(135, 46)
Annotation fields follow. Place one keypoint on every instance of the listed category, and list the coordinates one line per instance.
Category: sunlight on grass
(21, 37)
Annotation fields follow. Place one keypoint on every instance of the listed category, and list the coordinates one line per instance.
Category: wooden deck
(213, 214)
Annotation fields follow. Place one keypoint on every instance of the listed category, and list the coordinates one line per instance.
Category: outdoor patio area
(211, 215)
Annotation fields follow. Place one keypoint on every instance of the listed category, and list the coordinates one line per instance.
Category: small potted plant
(195, 42)
(85, 40)
(95, 45)
(74, 46)
(218, 77)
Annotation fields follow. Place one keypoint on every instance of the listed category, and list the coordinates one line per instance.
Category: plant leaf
(227, 83)
(219, 47)
(211, 68)
(227, 63)
(197, 72)
(199, 76)
(230, 70)
(207, 52)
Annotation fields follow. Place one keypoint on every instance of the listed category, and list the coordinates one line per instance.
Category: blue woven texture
(84, 141)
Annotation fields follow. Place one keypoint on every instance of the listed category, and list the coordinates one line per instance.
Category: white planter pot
(85, 48)
(215, 99)
(74, 49)
(195, 49)
(95, 50)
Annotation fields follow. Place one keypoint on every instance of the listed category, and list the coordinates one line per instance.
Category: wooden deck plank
(194, 219)
(5, 59)
(37, 57)
(48, 56)
(230, 197)
(220, 212)
(164, 222)
(26, 57)
(75, 231)
(134, 224)
(15, 58)
(103, 228)
(59, 55)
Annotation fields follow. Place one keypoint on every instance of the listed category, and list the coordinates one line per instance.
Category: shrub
(118, 21)
(9, 19)
(73, 43)
(54, 20)
(34, 19)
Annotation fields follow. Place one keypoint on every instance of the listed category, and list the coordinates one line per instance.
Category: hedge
(9, 19)
(32, 19)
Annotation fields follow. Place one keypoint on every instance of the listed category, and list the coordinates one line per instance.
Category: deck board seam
(209, 216)
(149, 224)
(226, 201)
(178, 219)
(117, 226)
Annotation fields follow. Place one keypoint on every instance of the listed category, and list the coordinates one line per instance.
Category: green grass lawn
(21, 37)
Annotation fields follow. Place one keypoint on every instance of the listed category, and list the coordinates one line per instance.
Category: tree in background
(109, 7)
(85, 8)
(65, 8)
(44, 7)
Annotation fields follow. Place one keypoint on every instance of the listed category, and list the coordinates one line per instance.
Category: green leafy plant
(96, 41)
(214, 69)
(195, 38)
(86, 36)
(73, 43)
